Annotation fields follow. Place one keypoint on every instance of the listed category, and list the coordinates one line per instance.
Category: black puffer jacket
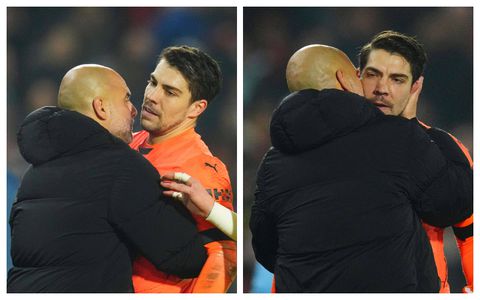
(86, 207)
(338, 196)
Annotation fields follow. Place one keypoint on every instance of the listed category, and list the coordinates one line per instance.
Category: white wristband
(224, 219)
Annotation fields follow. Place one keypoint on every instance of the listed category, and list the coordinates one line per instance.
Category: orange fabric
(435, 235)
(466, 254)
(147, 279)
(274, 289)
(188, 153)
(465, 222)
(220, 269)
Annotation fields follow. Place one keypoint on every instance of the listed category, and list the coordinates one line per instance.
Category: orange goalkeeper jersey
(464, 239)
(188, 153)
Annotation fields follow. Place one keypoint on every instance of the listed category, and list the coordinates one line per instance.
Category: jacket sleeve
(160, 229)
(264, 237)
(263, 228)
(443, 179)
(454, 151)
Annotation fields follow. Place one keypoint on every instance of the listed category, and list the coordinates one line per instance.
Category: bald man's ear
(197, 108)
(99, 107)
(347, 83)
(344, 83)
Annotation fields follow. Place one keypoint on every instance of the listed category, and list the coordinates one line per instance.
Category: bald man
(79, 221)
(339, 192)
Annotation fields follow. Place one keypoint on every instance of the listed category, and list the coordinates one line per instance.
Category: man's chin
(127, 138)
(146, 124)
(150, 126)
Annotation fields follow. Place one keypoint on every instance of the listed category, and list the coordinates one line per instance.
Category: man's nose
(381, 87)
(151, 93)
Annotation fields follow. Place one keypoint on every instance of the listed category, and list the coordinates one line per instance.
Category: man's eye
(398, 80)
(150, 82)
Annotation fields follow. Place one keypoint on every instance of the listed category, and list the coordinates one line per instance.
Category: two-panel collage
(342, 137)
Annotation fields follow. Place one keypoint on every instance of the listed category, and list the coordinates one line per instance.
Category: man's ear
(357, 70)
(99, 108)
(348, 84)
(416, 85)
(197, 108)
(345, 83)
(342, 81)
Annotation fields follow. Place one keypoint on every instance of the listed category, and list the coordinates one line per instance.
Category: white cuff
(224, 219)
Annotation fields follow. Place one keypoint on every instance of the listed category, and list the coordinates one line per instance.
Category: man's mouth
(383, 107)
(380, 104)
(148, 110)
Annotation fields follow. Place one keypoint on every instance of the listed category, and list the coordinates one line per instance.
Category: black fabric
(460, 172)
(86, 207)
(463, 232)
(213, 235)
(338, 198)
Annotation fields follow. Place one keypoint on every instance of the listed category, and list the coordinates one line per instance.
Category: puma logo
(213, 167)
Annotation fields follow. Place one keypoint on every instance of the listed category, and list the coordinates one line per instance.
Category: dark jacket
(87, 206)
(338, 196)
(461, 172)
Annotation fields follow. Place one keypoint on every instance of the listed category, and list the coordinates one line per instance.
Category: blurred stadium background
(272, 35)
(44, 43)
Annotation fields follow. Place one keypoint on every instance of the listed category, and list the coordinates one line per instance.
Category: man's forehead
(390, 62)
(170, 75)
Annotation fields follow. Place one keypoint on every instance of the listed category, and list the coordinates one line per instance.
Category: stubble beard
(157, 129)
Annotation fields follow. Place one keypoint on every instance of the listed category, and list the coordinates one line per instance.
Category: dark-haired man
(179, 90)
(391, 69)
(360, 179)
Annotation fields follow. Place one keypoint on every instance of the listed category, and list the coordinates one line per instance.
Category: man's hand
(192, 193)
(410, 110)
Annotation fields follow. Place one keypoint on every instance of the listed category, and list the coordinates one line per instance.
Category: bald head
(318, 66)
(100, 93)
(83, 83)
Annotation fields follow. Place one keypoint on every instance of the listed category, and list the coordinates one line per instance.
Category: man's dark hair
(200, 70)
(394, 42)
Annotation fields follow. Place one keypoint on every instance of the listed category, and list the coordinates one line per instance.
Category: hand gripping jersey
(463, 230)
(188, 153)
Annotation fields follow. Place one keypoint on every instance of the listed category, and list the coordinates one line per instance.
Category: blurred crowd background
(44, 43)
(272, 35)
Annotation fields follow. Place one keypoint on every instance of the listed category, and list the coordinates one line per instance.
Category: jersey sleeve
(219, 270)
(213, 175)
